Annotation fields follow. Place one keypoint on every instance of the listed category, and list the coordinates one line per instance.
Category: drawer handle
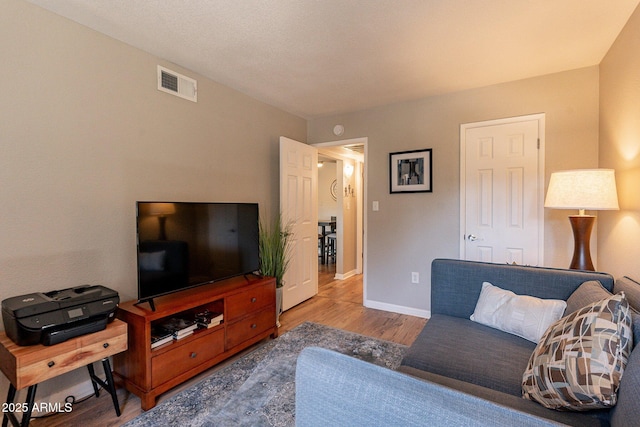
(254, 299)
(51, 364)
(254, 326)
(193, 355)
(105, 345)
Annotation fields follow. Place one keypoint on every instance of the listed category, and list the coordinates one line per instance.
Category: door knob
(472, 237)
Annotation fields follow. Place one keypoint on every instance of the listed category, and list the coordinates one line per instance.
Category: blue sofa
(457, 372)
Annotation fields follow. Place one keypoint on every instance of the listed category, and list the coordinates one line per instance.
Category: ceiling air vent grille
(177, 84)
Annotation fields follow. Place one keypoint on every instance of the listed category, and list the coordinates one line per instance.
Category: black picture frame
(411, 171)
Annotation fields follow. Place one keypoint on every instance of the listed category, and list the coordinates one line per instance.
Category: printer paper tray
(81, 328)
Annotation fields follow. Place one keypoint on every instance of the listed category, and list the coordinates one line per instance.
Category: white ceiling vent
(177, 84)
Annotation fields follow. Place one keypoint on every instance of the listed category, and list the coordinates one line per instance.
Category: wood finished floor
(338, 304)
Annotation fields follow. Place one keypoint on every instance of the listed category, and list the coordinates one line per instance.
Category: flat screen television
(187, 244)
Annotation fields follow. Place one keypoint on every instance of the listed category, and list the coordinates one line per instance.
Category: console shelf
(249, 308)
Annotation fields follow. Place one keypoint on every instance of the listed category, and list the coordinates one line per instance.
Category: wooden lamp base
(582, 226)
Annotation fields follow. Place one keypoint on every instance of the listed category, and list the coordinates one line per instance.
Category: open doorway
(341, 195)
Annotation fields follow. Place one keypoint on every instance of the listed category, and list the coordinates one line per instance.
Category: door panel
(501, 217)
(298, 205)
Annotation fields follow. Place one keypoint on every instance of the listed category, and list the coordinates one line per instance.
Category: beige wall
(85, 133)
(619, 231)
(349, 220)
(327, 206)
(410, 230)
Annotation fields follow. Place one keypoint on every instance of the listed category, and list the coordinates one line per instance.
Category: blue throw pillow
(587, 293)
(631, 290)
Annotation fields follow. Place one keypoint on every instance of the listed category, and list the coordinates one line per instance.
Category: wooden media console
(248, 305)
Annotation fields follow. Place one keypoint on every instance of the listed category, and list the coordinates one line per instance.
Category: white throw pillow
(522, 315)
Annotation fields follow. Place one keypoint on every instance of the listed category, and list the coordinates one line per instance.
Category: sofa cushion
(591, 418)
(522, 315)
(578, 363)
(627, 411)
(464, 350)
(631, 290)
(589, 292)
(635, 322)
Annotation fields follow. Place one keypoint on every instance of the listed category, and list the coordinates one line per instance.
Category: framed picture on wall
(410, 171)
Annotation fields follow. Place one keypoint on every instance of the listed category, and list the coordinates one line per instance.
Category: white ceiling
(320, 57)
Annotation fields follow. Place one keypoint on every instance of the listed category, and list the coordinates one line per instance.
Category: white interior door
(299, 207)
(501, 191)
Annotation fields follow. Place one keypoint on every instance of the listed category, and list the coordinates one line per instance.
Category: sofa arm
(338, 390)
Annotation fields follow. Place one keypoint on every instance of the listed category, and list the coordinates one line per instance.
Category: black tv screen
(184, 244)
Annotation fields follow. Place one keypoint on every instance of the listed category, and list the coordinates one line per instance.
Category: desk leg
(31, 397)
(26, 416)
(112, 387)
(92, 375)
(107, 385)
(10, 396)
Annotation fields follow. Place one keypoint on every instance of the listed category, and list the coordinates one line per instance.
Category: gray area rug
(258, 389)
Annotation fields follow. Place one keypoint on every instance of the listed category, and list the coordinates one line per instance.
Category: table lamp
(582, 189)
(161, 210)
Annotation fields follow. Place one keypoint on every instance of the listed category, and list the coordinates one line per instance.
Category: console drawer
(251, 326)
(250, 301)
(184, 357)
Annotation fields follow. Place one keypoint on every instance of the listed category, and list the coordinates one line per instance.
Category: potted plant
(275, 254)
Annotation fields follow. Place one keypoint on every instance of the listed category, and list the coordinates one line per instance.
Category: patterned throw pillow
(579, 361)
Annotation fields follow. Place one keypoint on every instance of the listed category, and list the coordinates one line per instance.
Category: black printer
(53, 317)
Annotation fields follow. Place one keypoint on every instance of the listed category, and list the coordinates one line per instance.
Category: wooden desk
(27, 366)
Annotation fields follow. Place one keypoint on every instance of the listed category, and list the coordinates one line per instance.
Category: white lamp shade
(162, 209)
(589, 189)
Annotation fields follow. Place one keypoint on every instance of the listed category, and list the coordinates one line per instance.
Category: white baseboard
(345, 275)
(400, 309)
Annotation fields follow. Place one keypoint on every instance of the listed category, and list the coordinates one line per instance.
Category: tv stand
(248, 305)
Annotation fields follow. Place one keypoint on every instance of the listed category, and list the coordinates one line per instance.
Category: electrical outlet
(415, 277)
